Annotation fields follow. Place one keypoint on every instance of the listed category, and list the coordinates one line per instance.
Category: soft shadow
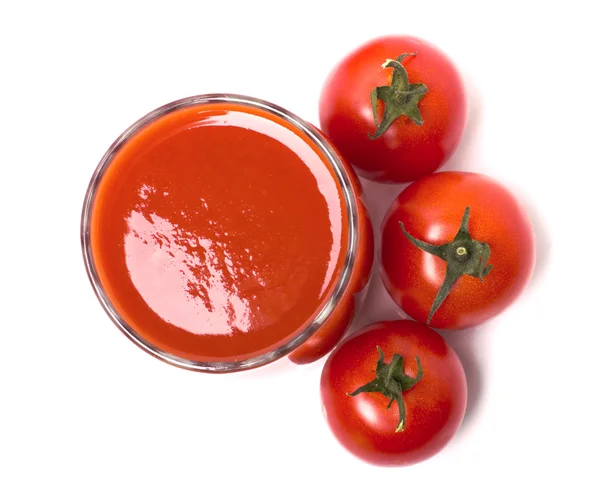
(467, 344)
(543, 242)
(378, 198)
(467, 156)
(377, 305)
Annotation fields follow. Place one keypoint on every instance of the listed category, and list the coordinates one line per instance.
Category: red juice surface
(218, 232)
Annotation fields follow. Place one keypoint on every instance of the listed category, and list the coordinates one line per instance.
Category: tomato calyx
(400, 97)
(463, 255)
(391, 381)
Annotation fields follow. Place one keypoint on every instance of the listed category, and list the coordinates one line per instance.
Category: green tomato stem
(391, 381)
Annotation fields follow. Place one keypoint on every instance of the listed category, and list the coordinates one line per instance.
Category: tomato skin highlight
(435, 406)
(431, 209)
(406, 151)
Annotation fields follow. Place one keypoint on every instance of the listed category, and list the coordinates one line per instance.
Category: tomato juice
(220, 232)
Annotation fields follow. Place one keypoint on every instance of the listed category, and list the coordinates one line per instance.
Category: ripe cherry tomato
(394, 393)
(457, 248)
(399, 122)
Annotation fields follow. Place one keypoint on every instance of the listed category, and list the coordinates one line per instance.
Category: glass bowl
(328, 324)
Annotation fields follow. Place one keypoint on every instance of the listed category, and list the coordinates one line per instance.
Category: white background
(86, 415)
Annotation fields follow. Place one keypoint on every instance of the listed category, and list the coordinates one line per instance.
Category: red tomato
(421, 111)
(451, 267)
(363, 406)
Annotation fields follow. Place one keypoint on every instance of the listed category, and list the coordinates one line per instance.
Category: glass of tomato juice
(221, 232)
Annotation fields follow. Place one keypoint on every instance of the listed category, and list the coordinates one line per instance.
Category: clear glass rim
(348, 195)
